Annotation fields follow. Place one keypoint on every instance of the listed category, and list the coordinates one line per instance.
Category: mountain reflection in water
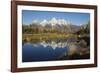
(49, 51)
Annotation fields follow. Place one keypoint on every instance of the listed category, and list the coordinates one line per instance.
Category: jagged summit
(57, 24)
(44, 22)
(53, 22)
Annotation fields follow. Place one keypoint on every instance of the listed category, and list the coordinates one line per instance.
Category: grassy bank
(45, 37)
(48, 36)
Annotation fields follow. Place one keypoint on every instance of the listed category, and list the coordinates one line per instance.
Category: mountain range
(57, 24)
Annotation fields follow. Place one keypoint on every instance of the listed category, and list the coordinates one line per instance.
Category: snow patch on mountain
(52, 22)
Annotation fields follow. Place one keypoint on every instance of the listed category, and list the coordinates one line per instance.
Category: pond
(48, 51)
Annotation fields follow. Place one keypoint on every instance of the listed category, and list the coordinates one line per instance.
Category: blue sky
(75, 18)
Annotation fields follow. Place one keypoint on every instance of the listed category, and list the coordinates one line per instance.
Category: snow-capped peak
(62, 22)
(53, 21)
(44, 22)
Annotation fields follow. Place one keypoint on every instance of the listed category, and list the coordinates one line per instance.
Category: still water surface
(45, 51)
